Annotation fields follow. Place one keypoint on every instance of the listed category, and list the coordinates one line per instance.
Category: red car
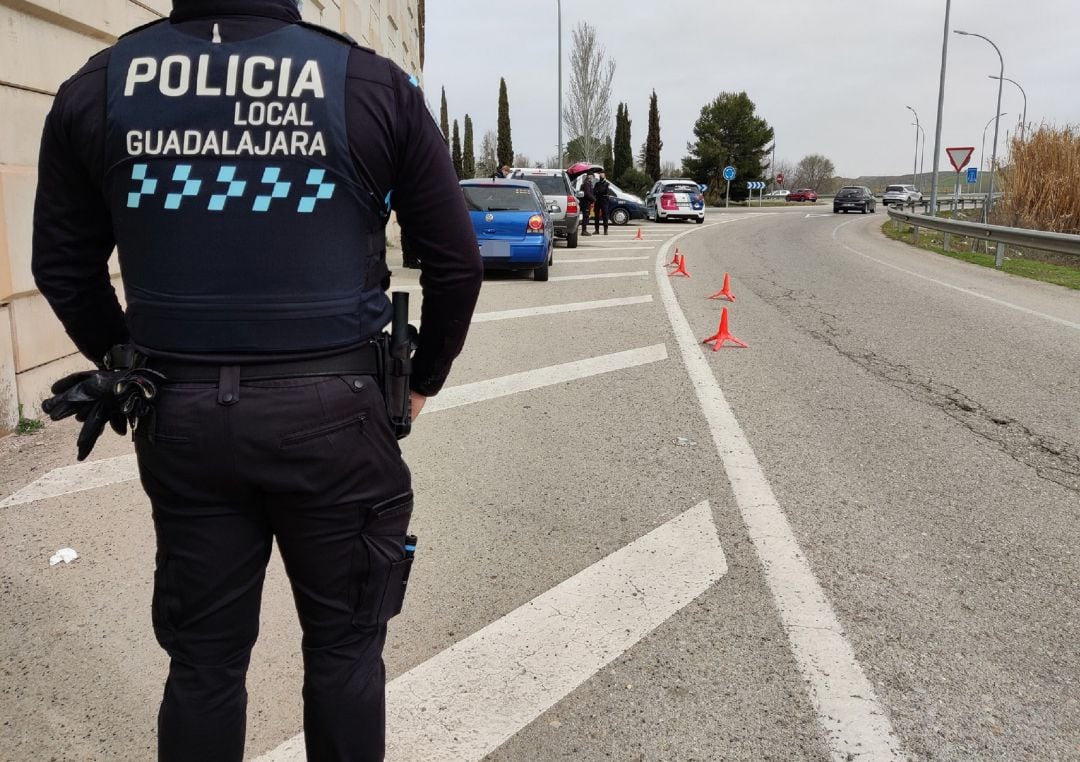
(802, 194)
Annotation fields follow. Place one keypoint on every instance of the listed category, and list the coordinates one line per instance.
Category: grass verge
(969, 250)
(27, 425)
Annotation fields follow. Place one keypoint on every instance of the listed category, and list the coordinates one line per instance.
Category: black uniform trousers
(228, 467)
(600, 210)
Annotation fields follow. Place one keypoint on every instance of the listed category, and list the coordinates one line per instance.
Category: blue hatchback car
(512, 224)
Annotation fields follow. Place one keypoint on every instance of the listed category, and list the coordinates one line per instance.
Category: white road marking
(102, 473)
(589, 248)
(480, 391)
(82, 476)
(597, 276)
(601, 259)
(554, 309)
(855, 724)
(463, 703)
(961, 289)
(826, 214)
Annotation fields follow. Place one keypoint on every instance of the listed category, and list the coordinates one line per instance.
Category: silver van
(555, 186)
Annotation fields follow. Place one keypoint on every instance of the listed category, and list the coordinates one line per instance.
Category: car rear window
(681, 188)
(499, 198)
(895, 189)
(549, 185)
(849, 192)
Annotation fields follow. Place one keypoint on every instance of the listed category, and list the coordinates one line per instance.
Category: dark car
(854, 197)
(803, 194)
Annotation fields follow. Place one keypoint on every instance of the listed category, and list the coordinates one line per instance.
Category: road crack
(1052, 459)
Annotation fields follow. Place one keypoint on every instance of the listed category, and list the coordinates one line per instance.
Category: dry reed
(1041, 183)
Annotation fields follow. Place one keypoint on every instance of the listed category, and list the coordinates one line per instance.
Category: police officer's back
(243, 165)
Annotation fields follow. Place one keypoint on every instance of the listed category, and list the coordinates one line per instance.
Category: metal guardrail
(1061, 243)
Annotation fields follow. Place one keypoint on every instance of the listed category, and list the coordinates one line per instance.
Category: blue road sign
(972, 175)
(729, 173)
(754, 185)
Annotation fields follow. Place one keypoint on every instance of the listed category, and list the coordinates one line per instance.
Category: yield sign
(959, 157)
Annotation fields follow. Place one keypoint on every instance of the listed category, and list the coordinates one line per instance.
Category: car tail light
(667, 201)
(571, 205)
(536, 224)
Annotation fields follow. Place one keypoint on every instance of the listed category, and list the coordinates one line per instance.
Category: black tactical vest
(241, 222)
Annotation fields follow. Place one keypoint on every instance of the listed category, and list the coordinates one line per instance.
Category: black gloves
(95, 397)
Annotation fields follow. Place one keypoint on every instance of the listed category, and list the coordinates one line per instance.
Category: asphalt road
(886, 565)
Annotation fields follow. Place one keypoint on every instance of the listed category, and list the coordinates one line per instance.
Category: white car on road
(900, 195)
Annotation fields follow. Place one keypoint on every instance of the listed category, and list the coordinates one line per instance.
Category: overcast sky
(830, 76)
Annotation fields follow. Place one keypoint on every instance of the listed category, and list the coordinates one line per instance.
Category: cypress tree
(455, 152)
(608, 157)
(653, 144)
(444, 122)
(623, 159)
(505, 148)
(468, 158)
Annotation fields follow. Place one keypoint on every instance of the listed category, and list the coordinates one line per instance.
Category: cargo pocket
(384, 556)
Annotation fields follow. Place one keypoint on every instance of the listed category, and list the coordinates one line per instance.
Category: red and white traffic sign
(959, 157)
(780, 178)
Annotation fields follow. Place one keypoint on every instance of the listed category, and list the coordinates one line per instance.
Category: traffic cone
(681, 269)
(639, 237)
(675, 259)
(723, 334)
(725, 292)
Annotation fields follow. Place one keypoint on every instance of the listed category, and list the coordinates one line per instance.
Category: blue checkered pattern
(279, 189)
(235, 189)
(182, 174)
(324, 191)
(147, 187)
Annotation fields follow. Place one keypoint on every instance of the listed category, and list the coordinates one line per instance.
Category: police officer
(602, 191)
(243, 164)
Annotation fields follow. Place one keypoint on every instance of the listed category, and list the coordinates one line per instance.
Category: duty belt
(362, 361)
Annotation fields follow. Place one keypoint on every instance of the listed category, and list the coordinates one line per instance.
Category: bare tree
(787, 169)
(814, 171)
(522, 160)
(488, 160)
(587, 114)
(670, 169)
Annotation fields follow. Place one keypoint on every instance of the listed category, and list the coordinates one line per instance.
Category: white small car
(900, 195)
(675, 200)
(779, 193)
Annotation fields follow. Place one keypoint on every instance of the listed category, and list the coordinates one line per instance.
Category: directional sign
(729, 173)
(972, 175)
(959, 157)
(754, 185)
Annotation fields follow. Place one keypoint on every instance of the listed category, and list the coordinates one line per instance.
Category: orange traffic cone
(725, 292)
(681, 269)
(639, 237)
(723, 334)
(675, 259)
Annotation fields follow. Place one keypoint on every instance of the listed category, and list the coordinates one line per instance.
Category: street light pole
(561, 162)
(940, 109)
(997, 121)
(982, 149)
(922, 154)
(1023, 119)
(915, 160)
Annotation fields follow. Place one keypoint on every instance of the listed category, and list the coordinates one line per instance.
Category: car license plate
(495, 249)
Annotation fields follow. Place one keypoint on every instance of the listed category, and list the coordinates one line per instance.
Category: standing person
(253, 262)
(602, 190)
(587, 201)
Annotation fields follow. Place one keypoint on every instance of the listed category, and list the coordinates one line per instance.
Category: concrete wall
(42, 43)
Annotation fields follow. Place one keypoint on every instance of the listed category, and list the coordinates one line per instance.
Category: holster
(396, 353)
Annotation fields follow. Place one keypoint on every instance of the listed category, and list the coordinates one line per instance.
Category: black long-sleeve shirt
(395, 145)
